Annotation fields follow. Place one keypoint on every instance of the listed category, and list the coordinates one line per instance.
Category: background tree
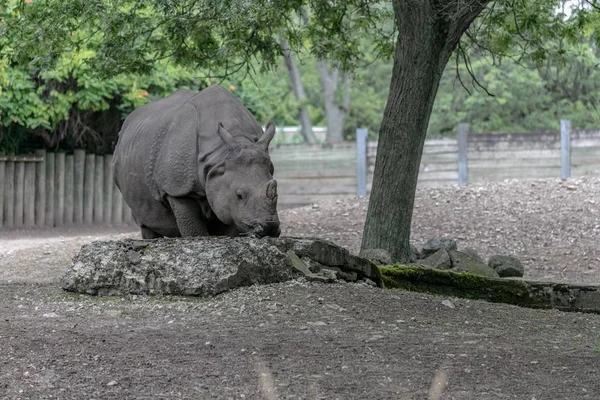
(306, 127)
(336, 99)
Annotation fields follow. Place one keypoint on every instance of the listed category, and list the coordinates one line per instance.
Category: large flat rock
(208, 266)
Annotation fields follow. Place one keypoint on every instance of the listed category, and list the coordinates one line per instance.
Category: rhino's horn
(267, 136)
(271, 190)
(226, 137)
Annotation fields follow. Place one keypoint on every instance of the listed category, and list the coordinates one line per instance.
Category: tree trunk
(334, 113)
(427, 37)
(306, 129)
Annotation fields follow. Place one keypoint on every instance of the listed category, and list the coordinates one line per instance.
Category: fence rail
(56, 189)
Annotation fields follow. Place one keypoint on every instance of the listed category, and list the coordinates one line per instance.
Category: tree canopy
(116, 38)
(66, 65)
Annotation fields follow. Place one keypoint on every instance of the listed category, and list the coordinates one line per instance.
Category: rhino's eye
(240, 194)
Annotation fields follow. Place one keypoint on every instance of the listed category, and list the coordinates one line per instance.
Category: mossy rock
(518, 292)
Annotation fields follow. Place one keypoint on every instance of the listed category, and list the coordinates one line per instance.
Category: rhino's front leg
(189, 216)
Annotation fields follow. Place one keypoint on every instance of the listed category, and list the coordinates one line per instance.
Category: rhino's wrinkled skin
(197, 164)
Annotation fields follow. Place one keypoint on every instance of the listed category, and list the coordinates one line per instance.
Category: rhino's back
(161, 142)
(142, 140)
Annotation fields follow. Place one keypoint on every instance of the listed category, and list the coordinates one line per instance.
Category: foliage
(94, 63)
(221, 36)
(60, 103)
(525, 96)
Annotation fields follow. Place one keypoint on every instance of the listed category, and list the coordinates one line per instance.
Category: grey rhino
(197, 164)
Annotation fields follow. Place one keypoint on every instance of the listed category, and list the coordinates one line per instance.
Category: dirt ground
(314, 341)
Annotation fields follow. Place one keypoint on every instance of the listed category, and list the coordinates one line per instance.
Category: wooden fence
(498, 156)
(313, 173)
(56, 189)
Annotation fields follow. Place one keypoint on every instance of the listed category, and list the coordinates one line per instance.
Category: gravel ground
(301, 340)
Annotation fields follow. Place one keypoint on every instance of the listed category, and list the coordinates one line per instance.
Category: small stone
(50, 315)
(472, 252)
(374, 338)
(369, 282)
(435, 244)
(439, 260)
(462, 262)
(448, 304)
(317, 323)
(506, 266)
(112, 383)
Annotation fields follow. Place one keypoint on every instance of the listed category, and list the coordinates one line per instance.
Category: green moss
(463, 285)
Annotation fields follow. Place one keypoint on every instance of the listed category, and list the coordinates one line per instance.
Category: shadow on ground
(293, 340)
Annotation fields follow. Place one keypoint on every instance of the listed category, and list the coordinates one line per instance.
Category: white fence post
(361, 162)
(565, 149)
(463, 134)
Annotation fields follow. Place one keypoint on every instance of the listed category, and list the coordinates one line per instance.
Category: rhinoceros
(197, 164)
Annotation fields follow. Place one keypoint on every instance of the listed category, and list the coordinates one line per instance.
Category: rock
(378, 256)
(415, 253)
(463, 262)
(506, 266)
(440, 260)
(368, 282)
(207, 266)
(471, 251)
(448, 304)
(436, 244)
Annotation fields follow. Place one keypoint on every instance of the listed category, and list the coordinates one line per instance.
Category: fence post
(2, 174)
(29, 194)
(98, 190)
(78, 184)
(361, 162)
(565, 149)
(50, 163)
(108, 188)
(59, 189)
(69, 188)
(19, 192)
(88, 190)
(117, 206)
(40, 189)
(9, 193)
(463, 134)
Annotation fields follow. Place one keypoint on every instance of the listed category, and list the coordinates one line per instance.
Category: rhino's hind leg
(189, 216)
(148, 233)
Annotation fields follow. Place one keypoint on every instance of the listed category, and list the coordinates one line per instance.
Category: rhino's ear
(229, 141)
(266, 137)
(217, 170)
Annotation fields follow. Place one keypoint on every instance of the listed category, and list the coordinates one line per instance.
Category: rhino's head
(241, 190)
